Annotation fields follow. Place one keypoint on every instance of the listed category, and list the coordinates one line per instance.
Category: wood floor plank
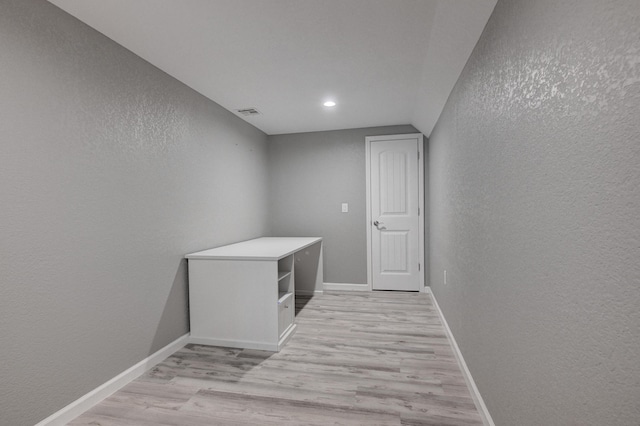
(369, 358)
(222, 407)
(284, 391)
(361, 375)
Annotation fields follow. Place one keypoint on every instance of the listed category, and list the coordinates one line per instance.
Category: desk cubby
(286, 303)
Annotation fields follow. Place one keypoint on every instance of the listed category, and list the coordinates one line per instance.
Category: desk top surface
(266, 248)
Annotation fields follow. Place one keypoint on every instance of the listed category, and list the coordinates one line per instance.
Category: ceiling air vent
(248, 112)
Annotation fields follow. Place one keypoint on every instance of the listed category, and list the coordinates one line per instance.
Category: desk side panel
(234, 302)
(309, 276)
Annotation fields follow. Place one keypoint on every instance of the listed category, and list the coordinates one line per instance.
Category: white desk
(243, 295)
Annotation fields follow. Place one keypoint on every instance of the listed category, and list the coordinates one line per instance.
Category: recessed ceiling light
(329, 104)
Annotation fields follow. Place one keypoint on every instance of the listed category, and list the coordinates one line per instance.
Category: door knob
(378, 223)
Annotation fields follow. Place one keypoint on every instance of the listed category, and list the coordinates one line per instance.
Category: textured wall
(535, 207)
(311, 175)
(110, 171)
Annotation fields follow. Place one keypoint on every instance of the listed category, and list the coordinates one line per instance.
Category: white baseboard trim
(346, 287)
(475, 393)
(287, 336)
(309, 293)
(84, 403)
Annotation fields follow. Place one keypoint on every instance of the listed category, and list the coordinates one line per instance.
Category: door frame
(421, 216)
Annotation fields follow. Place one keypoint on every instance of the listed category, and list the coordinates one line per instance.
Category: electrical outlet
(445, 276)
(345, 207)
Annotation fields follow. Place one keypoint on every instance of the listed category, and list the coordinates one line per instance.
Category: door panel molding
(399, 204)
(400, 241)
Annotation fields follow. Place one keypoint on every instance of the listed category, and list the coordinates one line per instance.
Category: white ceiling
(383, 61)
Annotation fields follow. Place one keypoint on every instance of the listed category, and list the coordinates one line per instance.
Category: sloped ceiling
(383, 62)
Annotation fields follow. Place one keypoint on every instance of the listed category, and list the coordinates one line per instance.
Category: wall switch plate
(345, 207)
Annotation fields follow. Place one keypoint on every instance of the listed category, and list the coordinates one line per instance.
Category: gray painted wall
(110, 171)
(535, 207)
(311, 175)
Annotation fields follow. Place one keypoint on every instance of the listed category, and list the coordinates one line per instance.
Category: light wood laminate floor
(378, 358)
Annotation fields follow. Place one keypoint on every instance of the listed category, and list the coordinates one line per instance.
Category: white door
(395, 207)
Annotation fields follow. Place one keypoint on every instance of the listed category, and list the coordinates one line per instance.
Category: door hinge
(418, 155)
(418, 266)
(418, 211)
